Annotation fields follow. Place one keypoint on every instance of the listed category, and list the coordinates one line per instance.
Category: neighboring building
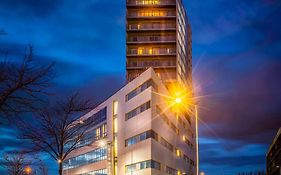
(273, 156)
(133, 136)
(159, 36)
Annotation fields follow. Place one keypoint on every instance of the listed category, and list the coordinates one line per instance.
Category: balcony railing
(151, 14)
(151, 2)
(151, 52)
(156, 64)
(168, 26)
(142, 39)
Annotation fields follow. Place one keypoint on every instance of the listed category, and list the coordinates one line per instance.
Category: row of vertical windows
(166, 120)
(150, 164)
(91, 136)
(139, 89)
(143, 165)
(152, 134)
(138, 110)
(169, 123)
(170, 147)
(96, 172)
(87, 158)
(97, 118)
(171, 171)
(140, 137)
(185, 139)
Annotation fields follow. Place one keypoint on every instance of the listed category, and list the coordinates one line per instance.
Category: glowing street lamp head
(178, 100)
(27, 170)
(181, 98)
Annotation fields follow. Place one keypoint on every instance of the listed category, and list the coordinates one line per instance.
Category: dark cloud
(31, 8)
(236, 51)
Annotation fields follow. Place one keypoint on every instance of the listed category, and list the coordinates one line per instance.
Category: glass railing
(152, 26)
(151, 2)
(160, 51)
(135, 14)
(141, 64)
(151, 39)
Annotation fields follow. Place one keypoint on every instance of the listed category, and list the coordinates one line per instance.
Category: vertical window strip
(152, 134)
(166, 120)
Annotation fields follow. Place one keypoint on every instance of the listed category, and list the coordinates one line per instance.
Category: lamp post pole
(197, 142)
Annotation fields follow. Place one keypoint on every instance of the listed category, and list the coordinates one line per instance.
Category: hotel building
(159, 36)
(135, 134)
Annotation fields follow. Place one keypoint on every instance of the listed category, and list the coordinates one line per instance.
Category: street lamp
(27, 170)
(182, 100)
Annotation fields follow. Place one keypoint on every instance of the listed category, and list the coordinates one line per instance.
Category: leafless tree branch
(57, 130)
(23, 86)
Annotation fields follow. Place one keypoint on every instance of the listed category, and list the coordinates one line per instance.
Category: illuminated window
(178, 152)
(115, 107)
(104, 130)
(140, 51)
(115, 125)
(115, 146)
(98, 132)
(150, 51)
(139, 26)
(84, 159)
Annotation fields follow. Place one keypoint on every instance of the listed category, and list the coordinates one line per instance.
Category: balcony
(149, 26)
(151, 14)
(151, 52)
(151, 2)
(151, 39)
(152, 63)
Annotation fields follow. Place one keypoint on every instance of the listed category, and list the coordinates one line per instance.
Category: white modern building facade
(134, 133)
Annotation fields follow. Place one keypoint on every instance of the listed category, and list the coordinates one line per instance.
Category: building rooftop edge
(150, 69)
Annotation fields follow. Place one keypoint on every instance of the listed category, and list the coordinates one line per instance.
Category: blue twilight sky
(236, 62)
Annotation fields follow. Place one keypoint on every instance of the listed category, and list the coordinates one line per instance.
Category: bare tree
(23, 85)
(57, 130)
(15, 163)
(20, 163)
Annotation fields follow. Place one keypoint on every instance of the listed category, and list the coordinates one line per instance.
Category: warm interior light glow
(115, 125)
(178, 152)
(115, 107)
(140, 51)
(59, 161)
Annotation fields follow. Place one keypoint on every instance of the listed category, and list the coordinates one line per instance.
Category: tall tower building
(158, 36)
(136, 131)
